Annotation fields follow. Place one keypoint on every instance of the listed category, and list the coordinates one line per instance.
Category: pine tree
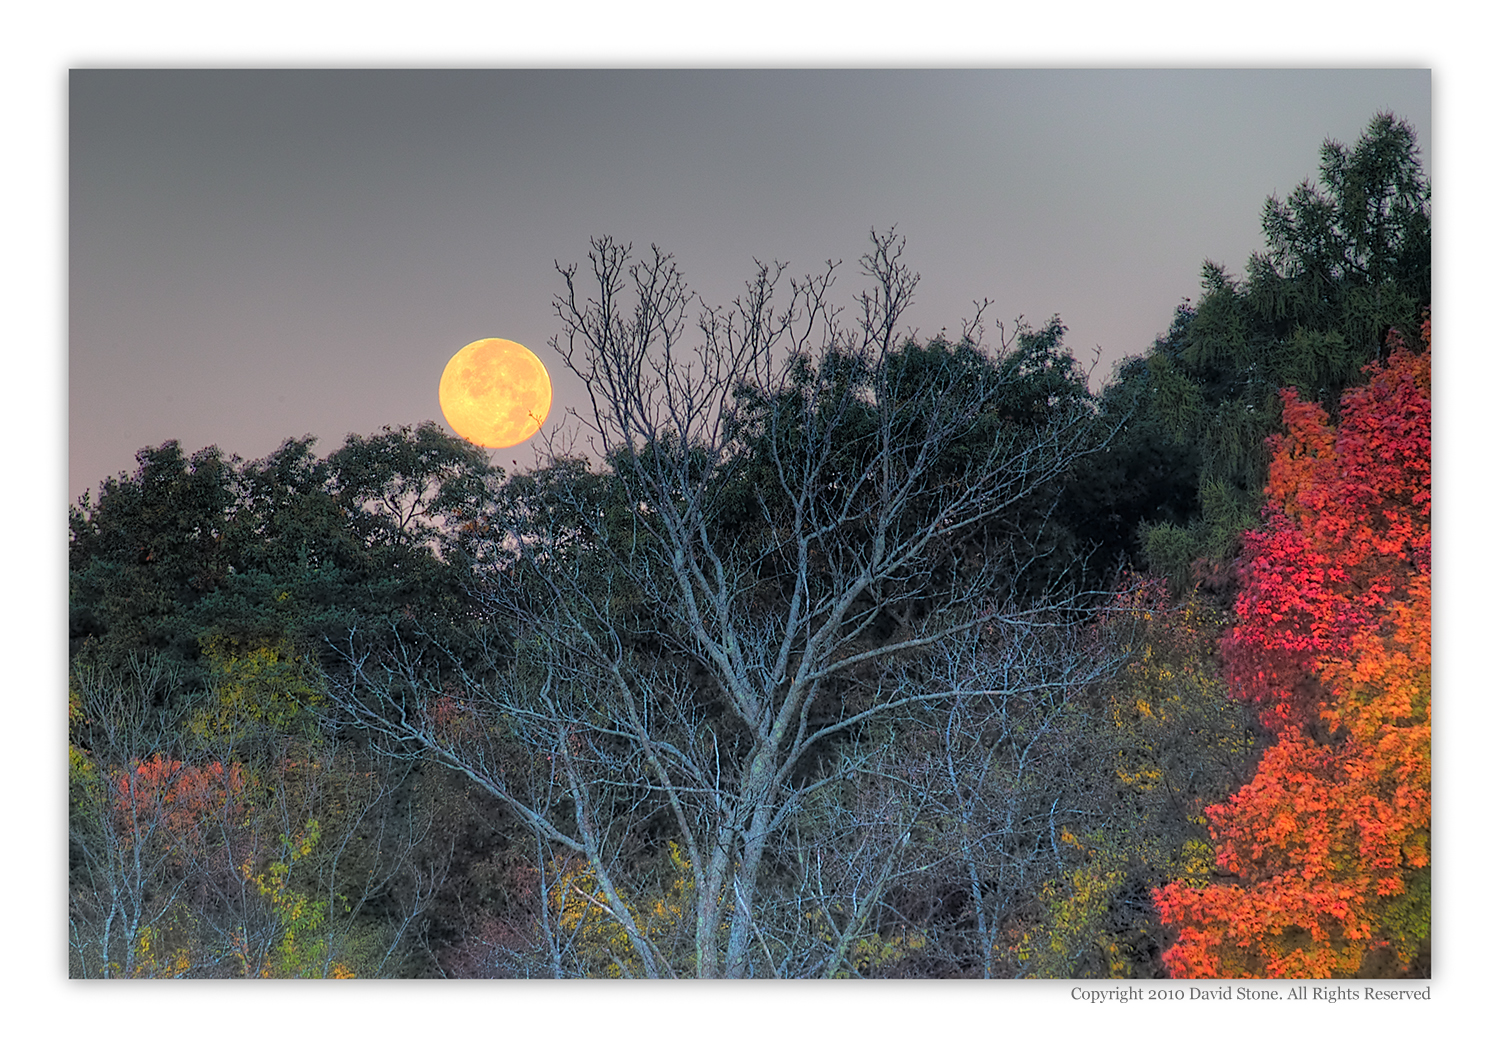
(1346, 261)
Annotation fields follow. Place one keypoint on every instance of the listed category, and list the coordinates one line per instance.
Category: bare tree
(187, 862)
(797, 522)
(135, 826)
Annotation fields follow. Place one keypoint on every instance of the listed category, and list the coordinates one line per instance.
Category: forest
(842, 655)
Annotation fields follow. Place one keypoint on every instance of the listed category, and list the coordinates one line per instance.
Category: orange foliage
(167, 795)
(1323, 856)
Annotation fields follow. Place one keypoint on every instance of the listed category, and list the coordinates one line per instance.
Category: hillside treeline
(840, 654)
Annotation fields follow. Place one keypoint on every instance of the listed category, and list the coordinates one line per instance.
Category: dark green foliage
(1051, 539)
(153, 545)
(1346, 262)
(291, 546)
(400, 489)
(1350, 259)
(1142, 477)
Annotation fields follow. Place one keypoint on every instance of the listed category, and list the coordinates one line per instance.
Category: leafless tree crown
(775, 629)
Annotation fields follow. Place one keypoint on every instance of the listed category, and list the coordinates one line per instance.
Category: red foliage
(1326, 849)
(162, 794)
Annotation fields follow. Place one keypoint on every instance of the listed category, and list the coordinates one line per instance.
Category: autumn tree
(149, 832)
(1323, 859)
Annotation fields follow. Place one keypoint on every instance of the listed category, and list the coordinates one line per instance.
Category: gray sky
(255, 255)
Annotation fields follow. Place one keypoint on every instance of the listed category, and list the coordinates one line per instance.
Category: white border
(1443, 36)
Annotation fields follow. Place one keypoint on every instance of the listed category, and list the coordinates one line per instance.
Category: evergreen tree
(1346, 261)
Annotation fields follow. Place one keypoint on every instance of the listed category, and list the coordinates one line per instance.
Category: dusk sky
(257, 255)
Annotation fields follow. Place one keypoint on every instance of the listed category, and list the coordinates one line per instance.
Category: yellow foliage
(160, 954)
(266, 686)
(1172, 681)
(1197, 861)
(869, 951)
(1167, 719)
(80, 769)
(599, 938)
(82, 779)
(1075, 906)
(300, 952)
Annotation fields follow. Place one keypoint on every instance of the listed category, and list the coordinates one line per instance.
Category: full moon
(495, 393)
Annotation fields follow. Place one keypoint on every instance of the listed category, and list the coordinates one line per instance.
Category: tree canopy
(845, 654)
